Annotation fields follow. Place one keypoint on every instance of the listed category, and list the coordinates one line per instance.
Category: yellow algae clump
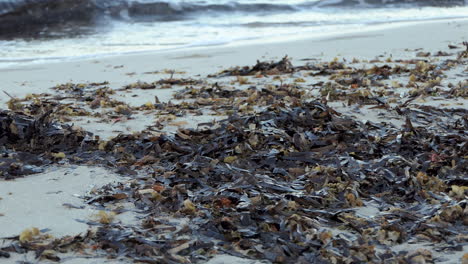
(429, 182)
(230, 159)
(458, 192)
(29, 234)
(59, 155)
(123, 109)
(293, 205)
(189, 207)
(150, 193)
(353, 200)
(452, 214)
(149, 105)
(325, 236)
(102, 145)
(14, 104)
(105, 218)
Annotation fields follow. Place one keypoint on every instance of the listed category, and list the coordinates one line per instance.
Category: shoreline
(120, 70)
(186, 96)
(367, 29)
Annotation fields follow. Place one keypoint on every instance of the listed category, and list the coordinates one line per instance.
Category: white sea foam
(215, 28)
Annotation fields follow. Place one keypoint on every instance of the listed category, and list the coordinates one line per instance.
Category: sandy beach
(38, 200)
(399, 41)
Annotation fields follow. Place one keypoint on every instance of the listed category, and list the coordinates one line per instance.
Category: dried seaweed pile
(285, 178)
(273, 185)
(270, 68)
(31, 142)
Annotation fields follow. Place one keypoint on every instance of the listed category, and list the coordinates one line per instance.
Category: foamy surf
(121, 27)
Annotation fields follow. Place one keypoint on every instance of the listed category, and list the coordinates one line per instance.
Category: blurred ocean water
(41, 30)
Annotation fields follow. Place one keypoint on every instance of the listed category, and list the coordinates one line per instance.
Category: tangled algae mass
(286, 175)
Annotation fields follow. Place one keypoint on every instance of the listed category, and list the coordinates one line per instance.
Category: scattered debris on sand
(286, 177)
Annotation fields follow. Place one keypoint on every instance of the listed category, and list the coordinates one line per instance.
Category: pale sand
(37, 200)
(431, 36)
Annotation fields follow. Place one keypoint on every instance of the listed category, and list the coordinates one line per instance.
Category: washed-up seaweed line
(268, 183)
(397, 171)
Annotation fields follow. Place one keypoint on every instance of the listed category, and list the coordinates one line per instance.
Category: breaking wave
(29, 16)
